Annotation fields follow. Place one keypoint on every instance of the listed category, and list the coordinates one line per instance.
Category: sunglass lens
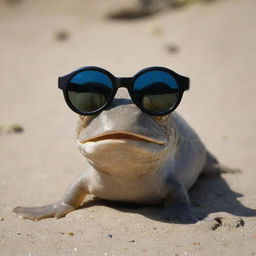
(89, 90)
(156, 91)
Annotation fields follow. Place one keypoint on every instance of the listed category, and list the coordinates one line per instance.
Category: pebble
(62, 35)
(240, 223)
(172, 48)
(11, 128)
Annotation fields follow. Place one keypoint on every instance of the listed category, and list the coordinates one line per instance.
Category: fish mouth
(121, 135)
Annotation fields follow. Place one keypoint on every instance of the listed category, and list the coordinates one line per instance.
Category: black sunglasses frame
(126, 82)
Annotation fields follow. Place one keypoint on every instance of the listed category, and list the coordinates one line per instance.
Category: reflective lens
(156, 91)
(89, 90)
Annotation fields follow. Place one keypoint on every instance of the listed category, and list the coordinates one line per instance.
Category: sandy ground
(214, 44)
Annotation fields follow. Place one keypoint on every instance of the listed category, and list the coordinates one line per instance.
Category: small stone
(172, 48)
(240, 223)
(218, 223)
(219, 220)
(14, 128)
(2, 219)
(110, 236)
(62, 35)
(71, 233)
(215, 226)
(132, 241)
(18, 233)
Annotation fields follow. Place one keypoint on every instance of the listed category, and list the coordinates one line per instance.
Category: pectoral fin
(56, 210)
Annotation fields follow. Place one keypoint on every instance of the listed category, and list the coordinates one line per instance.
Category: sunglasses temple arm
(185, 82)
(63, 81)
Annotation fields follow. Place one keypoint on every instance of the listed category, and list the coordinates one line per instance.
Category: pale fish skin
(134, 157)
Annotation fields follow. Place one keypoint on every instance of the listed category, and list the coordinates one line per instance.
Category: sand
(212, 43)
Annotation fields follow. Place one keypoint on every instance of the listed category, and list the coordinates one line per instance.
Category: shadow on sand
(210, 194)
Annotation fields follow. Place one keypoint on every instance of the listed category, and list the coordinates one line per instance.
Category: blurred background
(212, 42)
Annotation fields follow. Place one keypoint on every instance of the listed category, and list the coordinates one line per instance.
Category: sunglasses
(155, 90)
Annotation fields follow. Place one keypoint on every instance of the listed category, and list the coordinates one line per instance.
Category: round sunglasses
(155, 90)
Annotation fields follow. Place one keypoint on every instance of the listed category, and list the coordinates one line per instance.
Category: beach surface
(213, 43)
